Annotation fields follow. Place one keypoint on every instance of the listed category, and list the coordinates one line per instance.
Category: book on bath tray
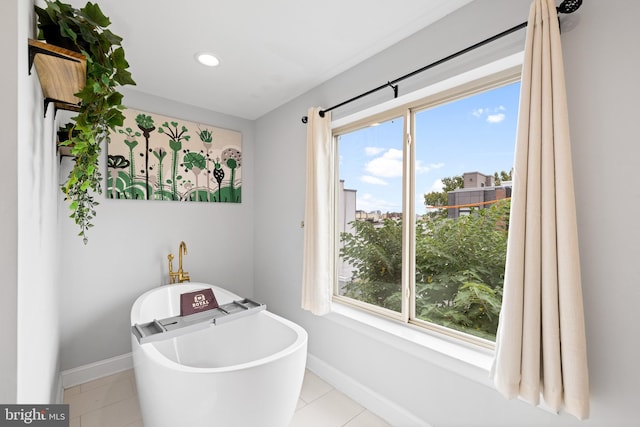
(197, 302)
(198, 310)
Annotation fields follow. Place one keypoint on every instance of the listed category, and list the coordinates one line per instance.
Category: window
(424, 197)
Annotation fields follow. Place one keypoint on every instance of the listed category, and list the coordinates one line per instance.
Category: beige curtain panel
(541, 345)
(318, 216)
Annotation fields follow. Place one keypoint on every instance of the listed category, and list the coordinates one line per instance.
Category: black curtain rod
(567, 6)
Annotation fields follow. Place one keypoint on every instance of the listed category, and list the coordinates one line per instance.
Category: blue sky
(476, 133)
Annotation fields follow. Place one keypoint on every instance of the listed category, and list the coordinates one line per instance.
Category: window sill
(462, 358)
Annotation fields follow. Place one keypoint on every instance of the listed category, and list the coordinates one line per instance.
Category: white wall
(600, 61)
(38, 280)
(9, 205)
(128, 247)
(601, 55)
(29, 365)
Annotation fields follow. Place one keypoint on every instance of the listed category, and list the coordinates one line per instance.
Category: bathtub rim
(154, 355)
(136, 307)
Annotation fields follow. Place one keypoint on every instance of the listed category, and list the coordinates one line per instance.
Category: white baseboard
(374, 402)
(93, 371)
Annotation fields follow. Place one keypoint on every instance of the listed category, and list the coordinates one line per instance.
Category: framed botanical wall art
(153, 157)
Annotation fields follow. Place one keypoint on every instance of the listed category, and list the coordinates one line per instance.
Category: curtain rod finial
(305, 119)
(569, 6)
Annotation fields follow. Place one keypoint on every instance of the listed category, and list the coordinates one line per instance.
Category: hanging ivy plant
(85, 30)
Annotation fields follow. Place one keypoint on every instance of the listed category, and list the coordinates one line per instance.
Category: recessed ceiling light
(207, 59)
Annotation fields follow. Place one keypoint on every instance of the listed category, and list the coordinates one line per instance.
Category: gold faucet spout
(183, 247)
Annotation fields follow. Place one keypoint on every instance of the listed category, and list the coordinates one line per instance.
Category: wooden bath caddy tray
(172, 327)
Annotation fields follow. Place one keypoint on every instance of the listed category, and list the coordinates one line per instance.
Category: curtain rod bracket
(395, 89)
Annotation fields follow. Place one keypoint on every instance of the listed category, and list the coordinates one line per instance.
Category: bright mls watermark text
(34, 415)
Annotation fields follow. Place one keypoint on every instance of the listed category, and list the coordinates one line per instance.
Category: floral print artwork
(152, 157)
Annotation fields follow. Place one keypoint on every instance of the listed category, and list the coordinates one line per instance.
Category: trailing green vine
(101, 103)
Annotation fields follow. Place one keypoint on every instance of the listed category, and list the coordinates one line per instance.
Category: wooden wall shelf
(62, 74)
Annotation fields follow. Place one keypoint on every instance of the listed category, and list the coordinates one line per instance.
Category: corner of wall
(9, 205)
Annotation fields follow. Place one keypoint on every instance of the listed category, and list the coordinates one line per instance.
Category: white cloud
(372, 151)
(493, 115)
(373, 180)
(366, 202)
(389, 165)
(478, 112)
(420, 168)
(495, 118)
(437, 185)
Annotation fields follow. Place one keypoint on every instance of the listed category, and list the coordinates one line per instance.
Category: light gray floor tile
(112, 401)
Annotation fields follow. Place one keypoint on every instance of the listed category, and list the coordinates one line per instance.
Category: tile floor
(112, 402)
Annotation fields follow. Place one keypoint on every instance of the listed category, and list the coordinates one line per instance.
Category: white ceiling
(271, 51)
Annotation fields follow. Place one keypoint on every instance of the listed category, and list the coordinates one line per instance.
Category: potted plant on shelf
(85, 30)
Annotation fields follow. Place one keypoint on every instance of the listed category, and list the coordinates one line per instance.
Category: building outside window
(423, 207)
(479, 191)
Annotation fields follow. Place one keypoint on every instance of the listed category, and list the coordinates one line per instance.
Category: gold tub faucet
(180, 275)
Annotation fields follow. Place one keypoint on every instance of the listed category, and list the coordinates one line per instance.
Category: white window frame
(405, 325)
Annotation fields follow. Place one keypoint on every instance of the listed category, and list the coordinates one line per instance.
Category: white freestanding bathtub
(246, 372)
